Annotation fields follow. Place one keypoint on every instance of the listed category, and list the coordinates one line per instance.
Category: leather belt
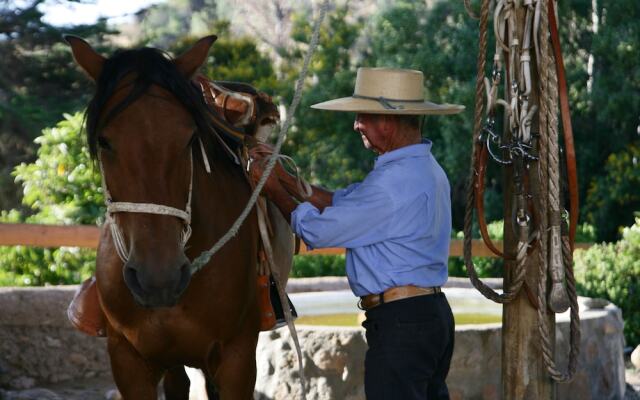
(395, 293)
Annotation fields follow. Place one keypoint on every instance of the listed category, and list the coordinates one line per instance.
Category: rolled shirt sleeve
(360, 215)
(340, 194)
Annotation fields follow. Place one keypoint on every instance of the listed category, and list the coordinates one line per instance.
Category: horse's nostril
(131, 279)
(185, 276)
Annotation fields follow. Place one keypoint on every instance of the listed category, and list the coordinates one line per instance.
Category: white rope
(147, 208)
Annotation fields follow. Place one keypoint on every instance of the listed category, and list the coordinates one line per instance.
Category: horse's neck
(218, 196)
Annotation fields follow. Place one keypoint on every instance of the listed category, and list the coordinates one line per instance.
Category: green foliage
(323, 143)
(604, 83)
(166, 23)
(305, 266)
(614, 196)
(38, 82)
(612, 271)
(234, 59)
(61, 187)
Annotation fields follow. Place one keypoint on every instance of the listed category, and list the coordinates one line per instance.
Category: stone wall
(39, 347)
(334, 359)
(37, 343)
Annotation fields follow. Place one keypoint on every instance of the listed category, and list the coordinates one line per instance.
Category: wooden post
(524, 375)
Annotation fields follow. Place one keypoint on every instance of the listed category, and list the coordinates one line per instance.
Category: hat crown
(390, 83)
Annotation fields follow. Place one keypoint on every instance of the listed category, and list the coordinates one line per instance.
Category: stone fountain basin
(334, 355)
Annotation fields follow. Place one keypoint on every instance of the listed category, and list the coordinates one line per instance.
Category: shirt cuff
(297, 215)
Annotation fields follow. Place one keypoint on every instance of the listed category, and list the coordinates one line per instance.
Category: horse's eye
(103, 143)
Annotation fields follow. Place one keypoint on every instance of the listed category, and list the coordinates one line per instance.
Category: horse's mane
(147, 66)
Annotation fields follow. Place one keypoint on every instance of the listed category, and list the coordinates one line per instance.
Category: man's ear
(389, 123)
(191, 60)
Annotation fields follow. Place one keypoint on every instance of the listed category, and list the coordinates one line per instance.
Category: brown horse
(144, 126)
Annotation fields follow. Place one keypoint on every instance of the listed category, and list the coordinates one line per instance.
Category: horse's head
(141, 125)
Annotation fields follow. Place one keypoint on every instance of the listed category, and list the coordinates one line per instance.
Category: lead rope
(206, 255)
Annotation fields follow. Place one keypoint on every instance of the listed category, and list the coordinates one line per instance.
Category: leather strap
(218, 120)
(395, 293)
(572, 175)
(478, 187)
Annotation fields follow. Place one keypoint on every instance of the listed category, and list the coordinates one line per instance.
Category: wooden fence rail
(87, 236)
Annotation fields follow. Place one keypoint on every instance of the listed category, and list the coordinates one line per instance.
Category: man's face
(372, 130)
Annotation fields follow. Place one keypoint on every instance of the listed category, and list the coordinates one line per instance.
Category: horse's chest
(169, 339)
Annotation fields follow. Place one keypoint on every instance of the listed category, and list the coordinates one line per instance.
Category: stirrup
(277, 305)
(84, 311)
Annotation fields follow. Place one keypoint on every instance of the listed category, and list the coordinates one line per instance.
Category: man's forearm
(285, 203)
(320, 198)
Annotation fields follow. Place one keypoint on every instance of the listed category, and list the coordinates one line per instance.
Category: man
(395, 225)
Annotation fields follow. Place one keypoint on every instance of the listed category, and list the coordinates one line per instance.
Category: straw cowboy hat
(388, 91)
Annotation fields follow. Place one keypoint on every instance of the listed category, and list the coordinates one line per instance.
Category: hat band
(384, 101)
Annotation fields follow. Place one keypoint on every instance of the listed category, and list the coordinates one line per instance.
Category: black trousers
(410, 347)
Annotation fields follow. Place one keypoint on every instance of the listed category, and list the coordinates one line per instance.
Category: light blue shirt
(395, 225)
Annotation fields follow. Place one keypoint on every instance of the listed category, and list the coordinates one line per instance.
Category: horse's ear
(191, 60)
(85, 56)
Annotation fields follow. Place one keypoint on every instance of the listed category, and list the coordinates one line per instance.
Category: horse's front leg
(235, 377)
(135, 378)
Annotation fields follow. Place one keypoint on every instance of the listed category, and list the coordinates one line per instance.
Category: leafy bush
(612, 271)
(612, 198)
(486, 267)
(306, 266)
(61, 187)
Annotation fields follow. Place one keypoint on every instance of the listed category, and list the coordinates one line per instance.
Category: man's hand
(273, 189)
(256, 170)
(262, 152)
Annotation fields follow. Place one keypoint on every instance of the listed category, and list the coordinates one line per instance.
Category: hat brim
(367, 106)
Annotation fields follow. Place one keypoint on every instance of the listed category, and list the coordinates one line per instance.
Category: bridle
(114, 207)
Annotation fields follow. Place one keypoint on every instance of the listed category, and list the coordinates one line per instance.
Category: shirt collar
(414, 150)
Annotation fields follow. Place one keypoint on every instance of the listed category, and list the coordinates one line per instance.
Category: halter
(146, 208)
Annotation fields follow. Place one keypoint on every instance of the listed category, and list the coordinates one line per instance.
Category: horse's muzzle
(151, 287)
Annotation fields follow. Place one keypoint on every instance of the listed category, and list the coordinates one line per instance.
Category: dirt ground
(103, 389)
